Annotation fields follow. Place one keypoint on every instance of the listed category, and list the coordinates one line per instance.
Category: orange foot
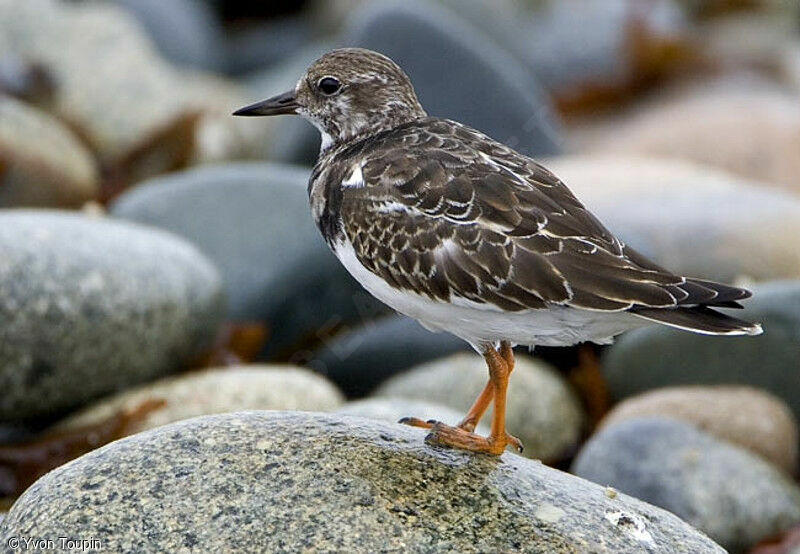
(458, 437)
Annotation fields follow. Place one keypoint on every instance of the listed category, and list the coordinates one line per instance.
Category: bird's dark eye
(329, 85)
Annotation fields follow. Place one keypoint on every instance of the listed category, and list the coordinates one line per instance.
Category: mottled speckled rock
(42, 163)
(655, 357)
(253, 221)
(745, 416)
(660, 207)
(360, 359)
(283, 481)
(732, 495)
(470, 79)
(393, 408)
(90, 305)
(216, 391)
(541, 410)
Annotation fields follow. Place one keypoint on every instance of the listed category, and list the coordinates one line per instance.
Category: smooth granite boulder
(469, 79)
(745, 416)
(541, 410)
(735, 497)
(89, 306)
(214, 391)
(655, 357)
(253, 221)
(286, 481)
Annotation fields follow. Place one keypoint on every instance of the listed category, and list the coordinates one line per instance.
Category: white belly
(485, 323)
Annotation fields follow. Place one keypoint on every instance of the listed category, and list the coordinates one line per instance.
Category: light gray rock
(89, 306)
(393, 408)
(253, 221)
(470, 79)
(361, 358)
(43, 162)
(654, 357)
(732, 495)
(745, 416)
(541, 410)
(283, 481)
(215, 391)
(662, 208)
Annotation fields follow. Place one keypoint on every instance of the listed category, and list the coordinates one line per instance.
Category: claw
(417, 422)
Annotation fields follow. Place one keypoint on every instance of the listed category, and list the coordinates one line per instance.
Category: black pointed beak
(281, 104)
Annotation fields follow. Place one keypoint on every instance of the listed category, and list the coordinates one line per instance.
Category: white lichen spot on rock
(631, 524)
(549, 513)
(263, 444)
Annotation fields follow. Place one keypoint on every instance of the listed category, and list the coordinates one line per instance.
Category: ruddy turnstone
(466, 235)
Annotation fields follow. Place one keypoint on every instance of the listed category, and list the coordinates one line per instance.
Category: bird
(466, 235)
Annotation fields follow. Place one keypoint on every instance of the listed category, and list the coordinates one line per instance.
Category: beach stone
(656, 356)
(253, 221)
(215, 391)
(257, 44)
(470, 79)
(660, 207)
(541, 410)
(135, 111)
(90, 306)
(750, 130)
(41, 162)
(745, 416)
(724, 491)
(287, 481)
(392, 409)
(186, 32)
(360, 358)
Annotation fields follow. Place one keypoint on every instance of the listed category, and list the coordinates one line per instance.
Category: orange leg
(500, 366)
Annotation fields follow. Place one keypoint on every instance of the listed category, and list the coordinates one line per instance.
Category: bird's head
(346, 94)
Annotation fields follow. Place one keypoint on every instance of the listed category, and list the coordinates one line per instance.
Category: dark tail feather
(698, 319)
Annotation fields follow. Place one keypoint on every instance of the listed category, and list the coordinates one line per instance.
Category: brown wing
(445, 211)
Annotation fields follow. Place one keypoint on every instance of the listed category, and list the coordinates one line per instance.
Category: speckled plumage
(458, 230)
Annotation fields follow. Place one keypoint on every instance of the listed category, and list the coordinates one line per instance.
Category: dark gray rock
(186, 32)
(541, 409)
(732, 495)
(654, 357)
(88, 306)
(288, 482)
(360, 359)
(254, 46)
(253, 221)
(459, 73)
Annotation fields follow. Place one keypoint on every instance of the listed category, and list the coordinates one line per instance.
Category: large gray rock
(541, 409)
(469, 79)
(214, 391)
(734, 496)
(361, 358)
(657, 356)
(253, 221)
(88, 306)
(663, 208)
(283, 481)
